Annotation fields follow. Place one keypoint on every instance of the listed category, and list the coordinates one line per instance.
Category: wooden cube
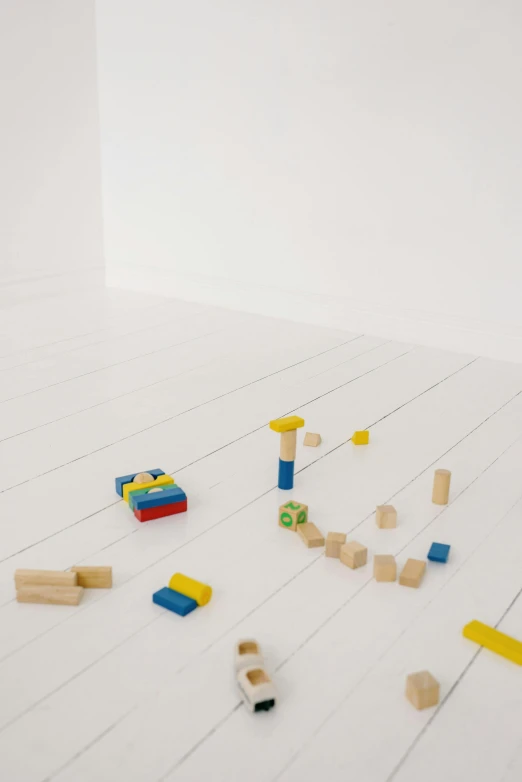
(361, 437)
(311, 536)
(334, 541)
(422, 690)
(291, 514)
(353, 554)
(386, 516)
(312, 439)
(384, 567)
(412, 573)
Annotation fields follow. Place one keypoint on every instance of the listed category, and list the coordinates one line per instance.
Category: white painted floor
(99, 383)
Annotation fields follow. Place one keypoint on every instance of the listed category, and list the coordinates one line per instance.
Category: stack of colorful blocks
(182, 595)
(151, 494)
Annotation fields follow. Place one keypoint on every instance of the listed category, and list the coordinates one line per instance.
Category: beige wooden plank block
(422, 690)
(45, 578)
(312, 439)
(53, 595)
(441, 487)
(94, 577)
(312, 537)
(384, 567)
(412, 573)
(386, 516)
(288, 446)
(334, 541)
(354, 554)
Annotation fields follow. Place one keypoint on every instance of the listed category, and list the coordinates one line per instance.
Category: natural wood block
(334, 541)
(384, 567)
(412, 573)
(45, 578)
(422, 690)
(312, 537)
(143, 477)
(288, 446)
(54, 595)
(291, 514)
(386, 516)
(354, 554)
(441, 487)
(312, 439)
(93, 577)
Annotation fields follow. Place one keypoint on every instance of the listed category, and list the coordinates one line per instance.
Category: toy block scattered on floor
(287, 428)
(412, 573)
(334, 541)
(361, 437)
(386, 516)
(422, 690)
(149, 514)
(93, 577)
(311, 439)
(311, 536)
(183, 594)
(495, 641)
(353, 554)
(45, 578)
(174, 601)
(384, 567)
(51, 595)
(120, 482)
(291, 514)
(198, 591)
(439, 552)
(161, 480)
(441, 487)
(155, 498)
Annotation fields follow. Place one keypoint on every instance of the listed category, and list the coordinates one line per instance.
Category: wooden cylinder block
(189, 587)
(288, 446)
(441, 487)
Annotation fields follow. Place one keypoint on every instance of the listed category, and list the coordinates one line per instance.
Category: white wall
(50, 179)
(346, 162)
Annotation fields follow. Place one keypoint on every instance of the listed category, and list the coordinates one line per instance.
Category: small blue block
(167, 496)
(120, 482)
(439, 552)
(286, 475)
(174, 601)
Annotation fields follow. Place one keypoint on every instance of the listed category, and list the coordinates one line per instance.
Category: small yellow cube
(361, 438)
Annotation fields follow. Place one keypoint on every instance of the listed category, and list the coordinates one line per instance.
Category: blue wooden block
(120, 482)
(439, 552)
(158, 498)
(174, 601)
(140, 492)
(286, 475)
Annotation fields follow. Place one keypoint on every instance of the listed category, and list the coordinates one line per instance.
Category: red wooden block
(163, 510)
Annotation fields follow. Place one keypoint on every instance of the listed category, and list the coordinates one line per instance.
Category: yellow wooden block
(189, 587)
(287, 424)
(162, 480)
(361, 438)
(493, 640)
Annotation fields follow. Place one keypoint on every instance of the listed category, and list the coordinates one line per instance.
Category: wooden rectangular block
(312, 537)
(354, 554)
(386, 516)
(44, 578)
(412, 573)
(422, 690)
(384, 567)
(361, 438)
(99, 577)
(287, 424)
(441, 487)
(291, 514)
(312, 439)
(288, 446)
(334, 541)
(52, 595)
(494, 640)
